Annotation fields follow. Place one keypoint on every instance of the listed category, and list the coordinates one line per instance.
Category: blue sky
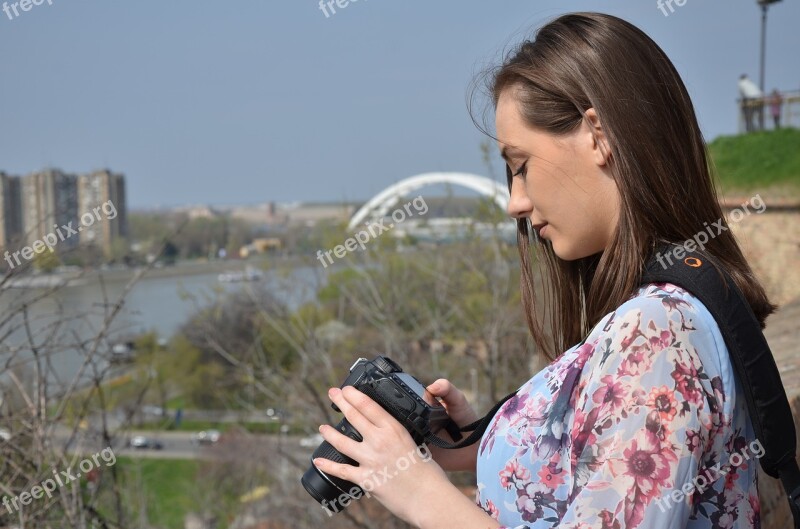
(212, 102)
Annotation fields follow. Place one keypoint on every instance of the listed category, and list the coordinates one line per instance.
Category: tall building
(50, 200)
(10, 211)
(101, 194)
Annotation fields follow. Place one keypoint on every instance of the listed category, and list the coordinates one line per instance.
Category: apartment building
(94, 190)
(10, 210)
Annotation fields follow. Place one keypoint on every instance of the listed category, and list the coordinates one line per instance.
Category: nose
(519, 205)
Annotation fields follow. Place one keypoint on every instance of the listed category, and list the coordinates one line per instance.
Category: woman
(775, 106)
(635, 425)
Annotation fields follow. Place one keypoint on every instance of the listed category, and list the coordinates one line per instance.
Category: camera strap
(751, 358)
(476, 428)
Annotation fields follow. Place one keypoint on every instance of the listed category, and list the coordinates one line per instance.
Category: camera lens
(328, 489)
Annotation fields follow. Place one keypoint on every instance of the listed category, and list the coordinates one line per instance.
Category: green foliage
(168, 487)
(338, 282)
(413, 290)
(277, 347)
(46, 261)
(195, 375)
(198, 237)
(246, 351)
(170, 252)
(150, 226)
(754, 161)
(214, 356)
(120, 252)
(272, 427)
(322, 236)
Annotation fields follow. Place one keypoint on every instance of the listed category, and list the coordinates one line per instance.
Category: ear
(600, 147)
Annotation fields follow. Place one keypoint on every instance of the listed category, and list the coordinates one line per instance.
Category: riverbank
(181, 269)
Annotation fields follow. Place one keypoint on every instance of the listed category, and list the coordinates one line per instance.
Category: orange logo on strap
(694, 262)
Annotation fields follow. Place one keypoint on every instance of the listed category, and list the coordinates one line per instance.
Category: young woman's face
(565, 187)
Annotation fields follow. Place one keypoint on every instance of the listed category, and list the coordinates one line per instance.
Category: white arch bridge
(379, 205)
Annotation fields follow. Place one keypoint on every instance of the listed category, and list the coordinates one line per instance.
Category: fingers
(339, 470)
(355, 417)
(340, 442)
(360, 410)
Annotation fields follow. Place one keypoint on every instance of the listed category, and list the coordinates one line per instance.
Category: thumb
(438, 386)
(445, 390)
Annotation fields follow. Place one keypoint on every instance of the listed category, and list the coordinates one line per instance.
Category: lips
(540, 228)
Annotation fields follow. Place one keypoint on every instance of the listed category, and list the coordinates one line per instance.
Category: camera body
(400, 394)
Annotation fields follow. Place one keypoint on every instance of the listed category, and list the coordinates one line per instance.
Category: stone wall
(771, 243)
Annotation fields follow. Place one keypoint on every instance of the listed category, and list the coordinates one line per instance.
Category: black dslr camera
(399, 393)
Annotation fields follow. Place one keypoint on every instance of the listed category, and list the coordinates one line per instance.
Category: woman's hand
(400, 475)
(454, 402)
(461, 412)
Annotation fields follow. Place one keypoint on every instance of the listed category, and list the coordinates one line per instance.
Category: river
(161, 301)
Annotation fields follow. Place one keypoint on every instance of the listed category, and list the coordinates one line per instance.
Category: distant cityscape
(56, 218)
(272, 214)
(41, 203)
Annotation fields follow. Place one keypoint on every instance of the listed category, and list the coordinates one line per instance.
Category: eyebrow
(508, 151)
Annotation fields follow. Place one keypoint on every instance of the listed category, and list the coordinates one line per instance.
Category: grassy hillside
(162, 490)
(769, 159)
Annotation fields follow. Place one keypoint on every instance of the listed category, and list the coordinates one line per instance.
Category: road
(176, 445)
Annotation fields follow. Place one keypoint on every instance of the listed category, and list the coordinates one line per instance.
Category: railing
(760, 112)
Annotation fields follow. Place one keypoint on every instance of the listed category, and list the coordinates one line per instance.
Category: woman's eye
(522, 170)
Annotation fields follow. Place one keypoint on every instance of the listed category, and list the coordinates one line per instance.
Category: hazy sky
(251, 101)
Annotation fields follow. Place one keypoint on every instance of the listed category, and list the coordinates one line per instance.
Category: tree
(451, 311)
(170, 253)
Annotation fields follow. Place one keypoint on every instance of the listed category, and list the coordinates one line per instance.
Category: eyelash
(522, 169)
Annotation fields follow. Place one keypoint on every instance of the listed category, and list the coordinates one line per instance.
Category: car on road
(158, 411)
(206, 437)
(140, 442)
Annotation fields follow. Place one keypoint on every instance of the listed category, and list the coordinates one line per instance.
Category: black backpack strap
(751, 357)
(477, 428)
(790, 477)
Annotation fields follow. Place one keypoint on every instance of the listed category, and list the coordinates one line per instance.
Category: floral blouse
(641, 425)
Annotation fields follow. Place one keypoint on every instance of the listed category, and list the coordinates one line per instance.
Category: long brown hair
(658, 160)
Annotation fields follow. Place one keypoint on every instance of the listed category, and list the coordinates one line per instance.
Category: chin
(567, 255)
(567, 252)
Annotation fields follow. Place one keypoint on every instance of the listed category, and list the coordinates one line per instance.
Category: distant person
(775, 106)
(752, 102)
